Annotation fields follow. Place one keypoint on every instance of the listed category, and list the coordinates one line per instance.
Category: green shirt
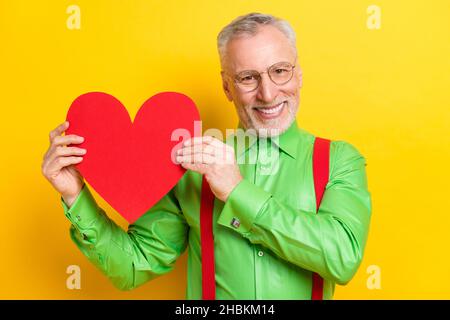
(272, 252)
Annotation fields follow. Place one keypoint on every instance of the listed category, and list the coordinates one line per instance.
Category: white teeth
(271, 110)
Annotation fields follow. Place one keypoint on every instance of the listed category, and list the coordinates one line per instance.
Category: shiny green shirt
(278, 243)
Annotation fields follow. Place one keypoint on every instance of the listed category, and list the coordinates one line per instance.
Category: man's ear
(226, 86)
(299, 75)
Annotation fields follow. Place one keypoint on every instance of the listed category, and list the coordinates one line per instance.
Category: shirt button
(260, 253)
(78, 218)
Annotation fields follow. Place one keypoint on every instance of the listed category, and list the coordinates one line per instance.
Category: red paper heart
(130, 163)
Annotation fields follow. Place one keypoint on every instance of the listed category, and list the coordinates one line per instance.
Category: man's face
(270, 106)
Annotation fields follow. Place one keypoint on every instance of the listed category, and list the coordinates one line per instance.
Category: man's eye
(247, 78)
(280, 70)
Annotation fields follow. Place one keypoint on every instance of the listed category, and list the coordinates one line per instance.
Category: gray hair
(248, 24)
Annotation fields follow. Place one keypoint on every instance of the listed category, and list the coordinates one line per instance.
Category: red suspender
(207, 242)
(320, 171)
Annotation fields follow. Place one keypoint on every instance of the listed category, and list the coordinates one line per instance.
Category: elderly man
(266, 238)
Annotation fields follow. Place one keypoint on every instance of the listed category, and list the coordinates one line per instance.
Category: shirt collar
(287, 141)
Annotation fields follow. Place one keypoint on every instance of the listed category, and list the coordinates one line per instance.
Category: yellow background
(385, 91)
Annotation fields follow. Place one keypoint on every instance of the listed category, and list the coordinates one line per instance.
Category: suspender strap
(321, 156)
(207, 242)
(320, 171)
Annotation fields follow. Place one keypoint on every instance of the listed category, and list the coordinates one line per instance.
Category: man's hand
(214, 159)
(58, 163)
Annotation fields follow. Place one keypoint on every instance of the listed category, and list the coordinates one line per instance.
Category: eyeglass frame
(260, 77)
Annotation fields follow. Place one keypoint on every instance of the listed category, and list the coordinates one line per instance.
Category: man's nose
(267, 90)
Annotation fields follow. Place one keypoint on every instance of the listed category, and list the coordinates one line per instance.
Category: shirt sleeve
(331, 242)
(130, 258)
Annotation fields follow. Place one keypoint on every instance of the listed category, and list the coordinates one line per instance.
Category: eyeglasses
(280, 73)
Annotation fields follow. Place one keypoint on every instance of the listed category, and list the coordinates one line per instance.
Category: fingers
(50, 168)
(65, 152)
(197, 167)
(210, 140)
(61, 162)
(198, 148)
(207, 144)
(56, 138)
(59, 156)
(70, 151)
(58, 130)
(197, 158)
(66, 140)
(59, 141)
(197, 140)
(205, 150)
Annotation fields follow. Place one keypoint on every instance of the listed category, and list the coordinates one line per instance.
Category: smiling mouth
(270, 112)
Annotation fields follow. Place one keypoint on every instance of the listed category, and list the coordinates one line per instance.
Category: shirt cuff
(84, 211)
(242, 207)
